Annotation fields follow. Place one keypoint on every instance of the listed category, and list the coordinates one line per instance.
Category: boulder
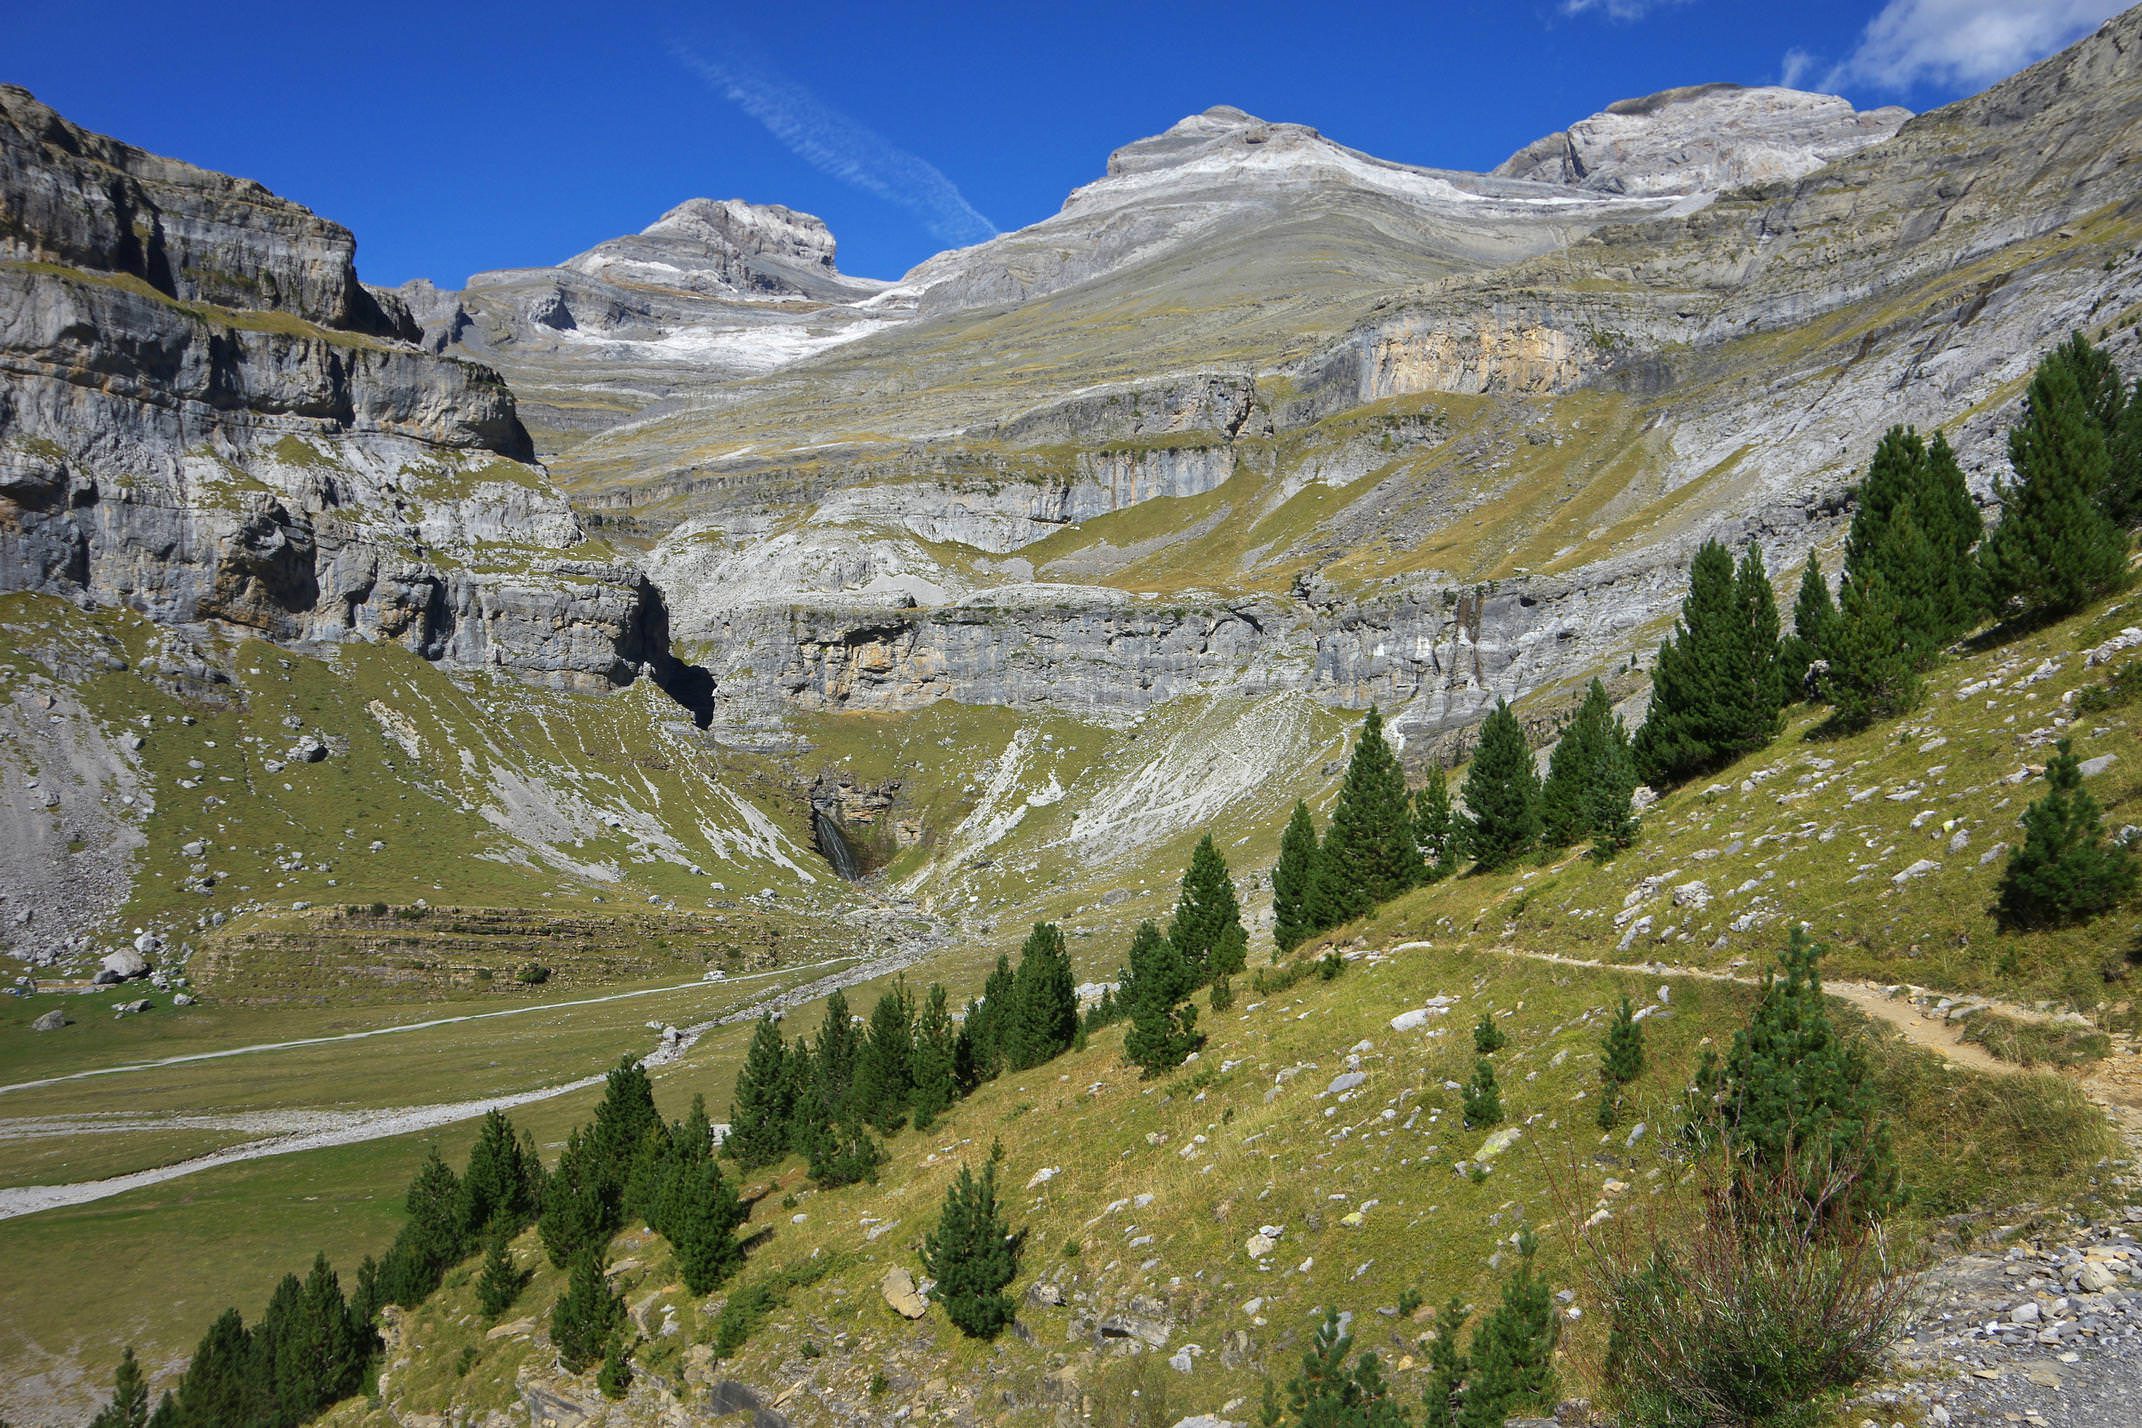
(52, 1020)
(901, 1294)
(122, 966)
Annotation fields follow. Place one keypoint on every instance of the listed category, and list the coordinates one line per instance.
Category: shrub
(532, 974)
(1750, 1312)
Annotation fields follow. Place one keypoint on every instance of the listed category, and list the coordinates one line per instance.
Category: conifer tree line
(313, 1345)
(1920, 571)
(1384, 841)
(1205, 944)
(829, 1098)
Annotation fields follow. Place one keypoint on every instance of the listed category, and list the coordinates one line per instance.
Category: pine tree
(1873, 671)
(129, 1405)
(1207, 927)
(1513, 1349)
(577, 1215)
(833, 1055)
(1481, 1098)
(702, 1220)
(1330, 1392)
(1436, 826)
(1368, 855)
(586, 1317)
(1953, 527)
(1716, 687)
(2122, 497)
(759, 1112)
(1610, 803)
(2055, 549)
(973, 1253)
(989, 1020)
(624, 1120)
(1793, 1098)
(1162, 1024)
(936, 1059)
(2066, 871)
(1814, 623)
(1621, 1061)
(1448, 1368)
(1586, 777)
(1292, 882)
(1502, 793)
(329, 1344)
(882, 1077)
(1761, 687)
(495, 1186)
(219, 1384)
(614, 1378)
(1488, 1038)
(500, 1281)
(2097, 380)
(1888, 539)
(840, 1150)
(280, 1373)
(1044, 1004)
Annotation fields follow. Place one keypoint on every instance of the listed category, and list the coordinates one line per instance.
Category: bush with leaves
(2066, 870)
(973, 1253)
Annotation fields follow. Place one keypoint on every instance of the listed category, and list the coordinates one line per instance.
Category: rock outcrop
(1703, 138)
(205, 416)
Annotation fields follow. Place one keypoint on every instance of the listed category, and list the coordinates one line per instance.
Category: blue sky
(454, 137)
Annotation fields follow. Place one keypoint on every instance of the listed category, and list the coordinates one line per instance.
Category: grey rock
(51, 1021)
(122, 966)
(1702, 138)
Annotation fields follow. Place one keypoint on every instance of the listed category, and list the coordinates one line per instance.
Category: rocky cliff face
(205, 416)
(1491, 482)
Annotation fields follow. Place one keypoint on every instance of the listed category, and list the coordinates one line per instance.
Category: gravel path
(259, 1047)
(299, 1130)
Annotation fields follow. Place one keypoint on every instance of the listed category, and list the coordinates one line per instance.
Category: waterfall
(825, 829)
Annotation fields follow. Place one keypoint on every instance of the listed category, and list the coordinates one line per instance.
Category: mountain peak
(719, 245)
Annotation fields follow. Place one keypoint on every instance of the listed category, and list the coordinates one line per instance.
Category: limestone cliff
(204, 415)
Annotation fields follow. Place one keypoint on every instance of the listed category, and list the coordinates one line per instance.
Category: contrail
(835, 144)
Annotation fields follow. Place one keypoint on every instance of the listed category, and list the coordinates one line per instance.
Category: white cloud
(1962, 43)
(844, 148)
(1617, 9)
(1797, 65)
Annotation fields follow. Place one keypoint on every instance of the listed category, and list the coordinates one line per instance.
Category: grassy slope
(1274, 1151)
